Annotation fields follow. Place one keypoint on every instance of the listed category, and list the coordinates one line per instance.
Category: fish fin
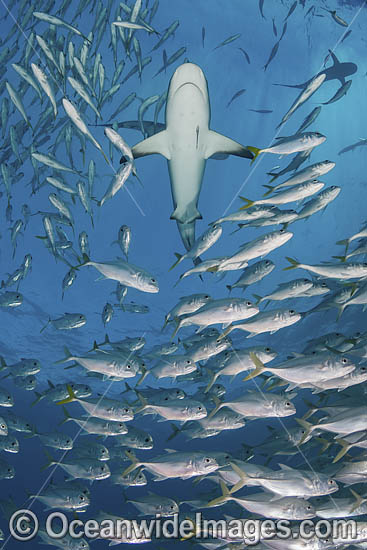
(156, 144)
(255, 151)
(50, 462)
(258, 298)
(86, 260)
(271, 189)
(51, 384)
(46, 325)
(134, 463)
(144, 374)
(341, 258)
(39, 397)
(336, 61)
(143, 401)
(344, 242)
(308, 428)
(69, 399)
(345, 448)
(213, 377)
(175, 432)
(259, 367)
(248, 203)
(218, 405)
(179, 258)
(217, 143)
(243, 478)
(359, 500)
(294, 264)
(67, 357)
(66, 417)
(222, 499)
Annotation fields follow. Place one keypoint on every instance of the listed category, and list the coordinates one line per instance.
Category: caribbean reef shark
(187, 143)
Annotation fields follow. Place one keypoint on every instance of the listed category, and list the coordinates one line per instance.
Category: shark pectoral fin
(217, 143)
(157, 144)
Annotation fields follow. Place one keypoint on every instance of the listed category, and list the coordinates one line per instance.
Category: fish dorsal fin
(217, 143)
(170, 450)
(154, 145)
(50, 384)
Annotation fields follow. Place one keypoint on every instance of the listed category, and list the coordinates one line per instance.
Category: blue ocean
(183, 238)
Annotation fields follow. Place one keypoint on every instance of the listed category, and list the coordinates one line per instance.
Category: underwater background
(145, 206)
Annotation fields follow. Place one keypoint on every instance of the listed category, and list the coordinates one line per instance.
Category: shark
(337, 71)
(187, 143)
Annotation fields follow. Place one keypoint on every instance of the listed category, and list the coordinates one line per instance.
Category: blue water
(147, 207)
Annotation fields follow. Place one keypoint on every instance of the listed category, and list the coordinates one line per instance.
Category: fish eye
(206, 296)
(288, 404)
(309, 508)
(248, 303)
(200, 408)
(35, 364)
(147, 440)
(207, 460)
(344, 360)
(153, 280)
(9, 470)
(323, 285)
(121, 425)
(126, 410)
(3, 427)
(331, 482)
(281, 230)
(188, 361)
(128, 366)
(267, 350)
(172, 507)
(303, 432)
(80, 316)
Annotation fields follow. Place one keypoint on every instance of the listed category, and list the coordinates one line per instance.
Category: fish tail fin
(344, 242)
(127, 388)
(85, 259)
(39, 397)
(248, 203)
(178, 326)
(175, 432)
(341, 258)
(270, 189)
(226, 331)
(294, 264)
(359, 500)
(218, 405)
(341, 308)
(68, 356)
(325, 444)
(143, 401)
(67, 417)
(254, 150)
(72, 397)
(259, 367)
(243, 478)
(214, 376)
(308, 429)
(46, 325)
(258, 298)
(222, 499)
(179, 257)
(134, 463)
(144, 374)
(344, 449)
(50, 462)
(273, 175)
(166, 321)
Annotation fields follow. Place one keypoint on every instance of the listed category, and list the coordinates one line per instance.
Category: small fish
(246, 55)
(272, 55)
(107, 314)
(340, 93)
(228, 41)
(203, 36)
(336, 17)
(68, 321)
(274, 28)
(291, 10)
(235, 96)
